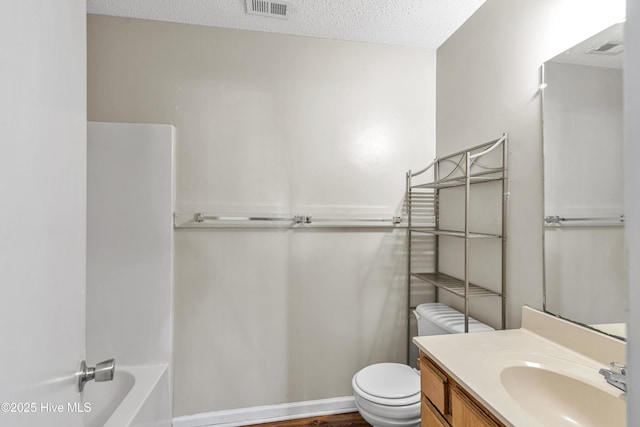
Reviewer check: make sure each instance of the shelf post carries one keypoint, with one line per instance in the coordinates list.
(505, 208)
(467, 189)
(436, 214)
(408, 237)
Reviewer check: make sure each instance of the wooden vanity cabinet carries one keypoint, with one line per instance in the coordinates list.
(446, 404)
(430, 416)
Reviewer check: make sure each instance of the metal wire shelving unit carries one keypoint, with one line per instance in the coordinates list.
(484, 163)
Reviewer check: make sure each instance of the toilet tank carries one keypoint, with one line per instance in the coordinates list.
(439, 319)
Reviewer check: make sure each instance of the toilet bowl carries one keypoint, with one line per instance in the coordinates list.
(388, 394)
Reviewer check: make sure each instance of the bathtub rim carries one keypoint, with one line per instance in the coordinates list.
(146, 379)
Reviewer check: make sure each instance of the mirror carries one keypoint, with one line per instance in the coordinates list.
(584, 256)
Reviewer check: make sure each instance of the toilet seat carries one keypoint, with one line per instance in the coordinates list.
(388, 384)
(388, 395)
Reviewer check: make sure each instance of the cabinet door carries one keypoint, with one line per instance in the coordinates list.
(465, 413)
(434, 385)
(430, 415)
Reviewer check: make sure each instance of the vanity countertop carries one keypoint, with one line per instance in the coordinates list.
(478, 362)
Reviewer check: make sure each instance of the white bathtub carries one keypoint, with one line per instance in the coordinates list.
(137, 396)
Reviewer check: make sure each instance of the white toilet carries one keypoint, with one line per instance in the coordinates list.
(388, 394)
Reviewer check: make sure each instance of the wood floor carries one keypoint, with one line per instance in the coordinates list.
(352, 419)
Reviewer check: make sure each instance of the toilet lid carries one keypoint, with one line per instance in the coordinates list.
(388, 381)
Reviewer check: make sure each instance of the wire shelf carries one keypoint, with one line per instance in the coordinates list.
(455, 286)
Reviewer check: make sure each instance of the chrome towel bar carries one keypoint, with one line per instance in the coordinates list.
(595, 221)
(200, 220)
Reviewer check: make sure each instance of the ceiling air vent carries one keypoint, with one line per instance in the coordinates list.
(608, 48)
(274, 9)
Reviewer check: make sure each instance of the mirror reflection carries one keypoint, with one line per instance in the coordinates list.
(584, 256)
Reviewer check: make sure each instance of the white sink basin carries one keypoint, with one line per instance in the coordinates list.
(555, 399)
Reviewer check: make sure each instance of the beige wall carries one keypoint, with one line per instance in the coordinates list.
(271, 123)
(488, 77)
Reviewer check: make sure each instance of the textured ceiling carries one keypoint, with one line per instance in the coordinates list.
(417, 23)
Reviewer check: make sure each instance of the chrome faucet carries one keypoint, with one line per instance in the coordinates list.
(102, 372)
(616, 376)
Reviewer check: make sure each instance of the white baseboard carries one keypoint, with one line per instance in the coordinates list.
(268, 413)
